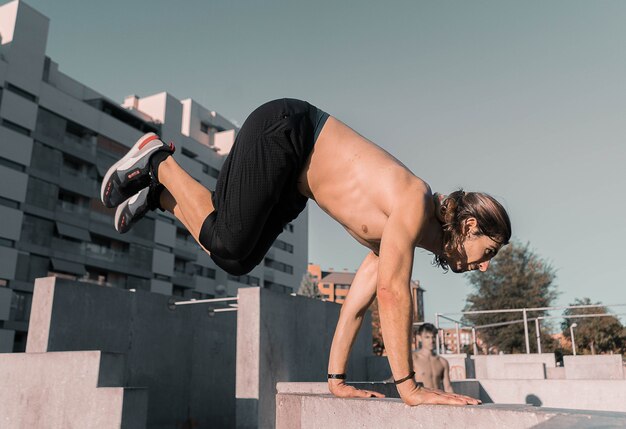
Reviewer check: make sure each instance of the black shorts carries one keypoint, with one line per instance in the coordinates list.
(256, 193)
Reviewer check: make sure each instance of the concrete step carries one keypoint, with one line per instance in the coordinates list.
(80, 389)
(311, 409)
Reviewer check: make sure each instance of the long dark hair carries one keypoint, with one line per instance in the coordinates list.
(491, 218)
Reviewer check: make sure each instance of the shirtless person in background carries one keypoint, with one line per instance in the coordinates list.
(431, 370)
(287, 152)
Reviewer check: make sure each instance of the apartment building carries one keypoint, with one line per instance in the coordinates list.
(334, 286)
(57, 139)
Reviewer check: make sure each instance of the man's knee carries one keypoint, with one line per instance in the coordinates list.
(234, 267)
(225, 246)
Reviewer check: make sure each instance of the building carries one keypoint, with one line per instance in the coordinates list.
(334, 286)
(57, 139)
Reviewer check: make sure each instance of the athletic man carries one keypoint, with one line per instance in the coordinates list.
(431, 370)
(287, 152)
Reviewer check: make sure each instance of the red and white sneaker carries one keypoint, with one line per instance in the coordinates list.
(136, 207)
(133, 172)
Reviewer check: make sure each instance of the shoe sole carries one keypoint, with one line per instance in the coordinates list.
(139, 199)
(135, 153)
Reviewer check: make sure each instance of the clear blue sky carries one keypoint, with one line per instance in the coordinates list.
(524, 100)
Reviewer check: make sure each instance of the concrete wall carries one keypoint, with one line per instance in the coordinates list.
(596, 367)
(516, 366)
(308, 409)
(285, 338)
(68, 390)
(604, 395)
(184, 358)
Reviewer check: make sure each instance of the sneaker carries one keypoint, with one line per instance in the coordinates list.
(133, 172)
(136, 207)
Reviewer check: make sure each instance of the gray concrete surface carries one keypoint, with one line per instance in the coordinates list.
(184, 358)
(502, 367)
(68, 390)
(600, 395)
(593, 367)
(285, 338)
(309, 410)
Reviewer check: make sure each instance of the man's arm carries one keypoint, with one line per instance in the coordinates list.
(394, 272)
(447, 386)
(360, 296)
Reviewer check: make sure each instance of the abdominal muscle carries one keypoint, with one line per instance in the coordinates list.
(354, 181)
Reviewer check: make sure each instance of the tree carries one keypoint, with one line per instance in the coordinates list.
(516, 278)
(308, 287)
(378, 345)
(594, 334)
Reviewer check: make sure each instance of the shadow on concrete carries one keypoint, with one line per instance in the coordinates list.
(533, 400)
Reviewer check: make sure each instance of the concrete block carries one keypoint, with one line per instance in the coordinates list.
(493, 366)
(285, 338)
(599, 395)
(458, 365)
(325, 411)
(593, 367)
(557, 373)
(524, 371)
(185, 358)
(61, 390)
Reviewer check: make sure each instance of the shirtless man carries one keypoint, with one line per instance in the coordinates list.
(287, 152)
(431, 370)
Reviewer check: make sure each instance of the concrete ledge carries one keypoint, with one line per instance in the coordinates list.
(308, 411)
(65, 389)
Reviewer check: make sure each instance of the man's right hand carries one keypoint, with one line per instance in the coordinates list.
(414, 395)
(341, 390)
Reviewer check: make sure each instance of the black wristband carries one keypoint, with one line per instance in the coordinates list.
(402, 380)
(337, 376)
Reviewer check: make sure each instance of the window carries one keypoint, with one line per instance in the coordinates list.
(342, 286)
(188, 153)
(205, 271)
(6, 243)
(288, 227)
(245, 279)
(178, 291)
(207, 128)
(20, 305)
(280, 266)
(10, 203)
(15, 127)
(11, 164)
(19, 91)
(283, 246)
(277, 287)
(325, 296)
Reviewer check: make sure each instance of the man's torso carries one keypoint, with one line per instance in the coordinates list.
(356, 182)
(428, 369)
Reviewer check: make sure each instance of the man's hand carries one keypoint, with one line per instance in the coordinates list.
(341, 390)
(425, 396)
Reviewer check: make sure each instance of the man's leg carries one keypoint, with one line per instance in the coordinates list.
(183, 196)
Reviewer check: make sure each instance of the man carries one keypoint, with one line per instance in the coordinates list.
(287, 152)
(431, 370)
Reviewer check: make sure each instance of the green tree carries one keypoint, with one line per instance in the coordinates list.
(516, 278)
(594, 334)
(308, 287)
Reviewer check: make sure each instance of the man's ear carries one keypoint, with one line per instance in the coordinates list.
(469, 225)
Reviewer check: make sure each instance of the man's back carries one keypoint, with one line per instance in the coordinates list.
(357, 183)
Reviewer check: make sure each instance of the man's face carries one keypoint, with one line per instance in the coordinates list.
(428, 340)
(478, 251)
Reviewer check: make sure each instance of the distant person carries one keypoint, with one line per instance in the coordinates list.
(430, 369)
(288, 152)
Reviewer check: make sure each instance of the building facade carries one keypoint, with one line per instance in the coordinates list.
(57, 139)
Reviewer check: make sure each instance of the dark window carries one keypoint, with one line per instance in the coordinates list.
(20, 306)
(280, 266)
(11, 164)
(178, 291)
(9, 203)
(205, 271)
(288, 227)
(207, 128)
(19, 91)
(245, 279)
(6, 243)
(283, 246)
(188, 153)
(277, 287)
(15, 127)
